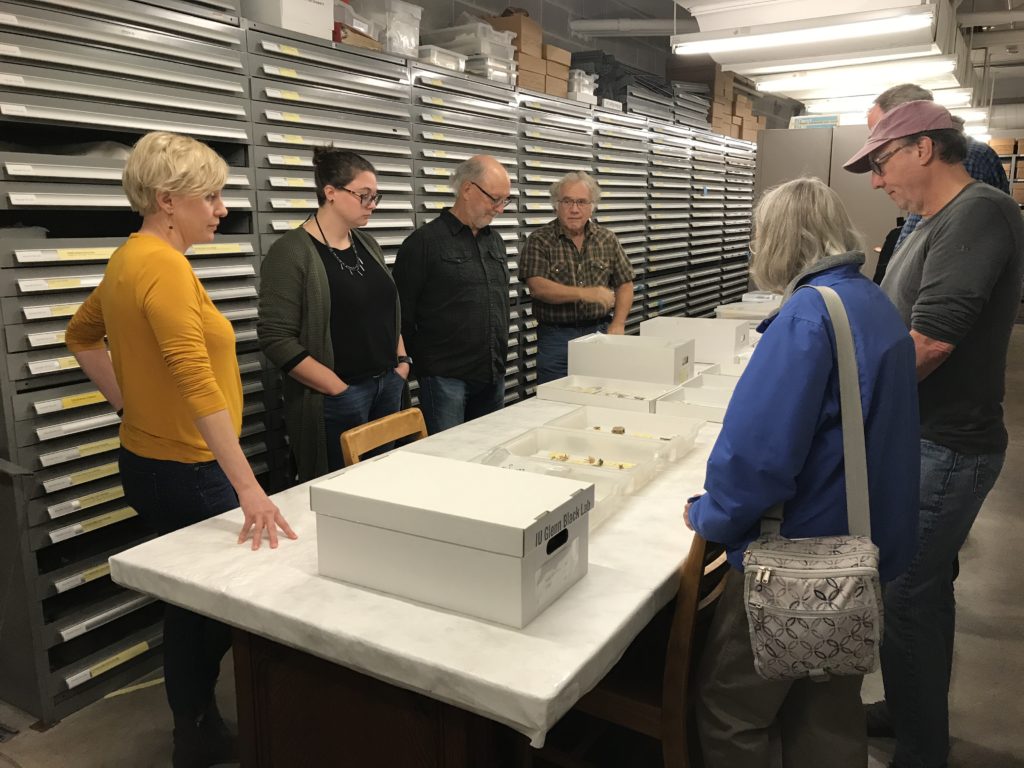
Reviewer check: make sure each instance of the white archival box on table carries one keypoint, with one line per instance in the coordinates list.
(703, 397)
(476, 539)
(716, 341)
(674, 433)
(655, 359)
(621, 394)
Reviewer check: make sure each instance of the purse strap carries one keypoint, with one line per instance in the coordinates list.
(858, 510)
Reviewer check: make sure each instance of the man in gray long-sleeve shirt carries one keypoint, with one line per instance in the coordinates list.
(957, 282)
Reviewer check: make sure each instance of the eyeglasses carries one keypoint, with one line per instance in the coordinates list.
(569, 203)
(877, 164)
(498, 202)
(366, 199)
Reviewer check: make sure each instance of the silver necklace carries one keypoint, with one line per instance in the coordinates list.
(357, 269)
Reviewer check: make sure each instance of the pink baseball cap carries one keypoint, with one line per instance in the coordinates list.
(903, 120)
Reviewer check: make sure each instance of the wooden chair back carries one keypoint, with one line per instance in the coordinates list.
(358, 441)
(648, 689)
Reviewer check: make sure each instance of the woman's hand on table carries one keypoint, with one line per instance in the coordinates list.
(261, 515)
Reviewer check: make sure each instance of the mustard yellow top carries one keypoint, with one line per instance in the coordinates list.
(173, 351)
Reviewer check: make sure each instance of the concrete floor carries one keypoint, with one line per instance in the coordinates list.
(131, 729)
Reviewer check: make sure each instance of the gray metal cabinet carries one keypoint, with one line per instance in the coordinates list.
(80, 81)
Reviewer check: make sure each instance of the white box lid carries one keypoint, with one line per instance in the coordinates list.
(472, 505)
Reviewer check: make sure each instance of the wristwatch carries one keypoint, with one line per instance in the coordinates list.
(405, 359)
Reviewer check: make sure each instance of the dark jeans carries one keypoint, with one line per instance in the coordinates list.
(169, 495)
(553, 348)
(363, 401)
(920, 608)
(447, 402)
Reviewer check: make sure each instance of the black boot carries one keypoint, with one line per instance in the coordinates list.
(189, 749)
(879, 723)
(221, 742)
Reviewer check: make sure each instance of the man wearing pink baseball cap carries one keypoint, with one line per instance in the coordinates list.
(956, 280)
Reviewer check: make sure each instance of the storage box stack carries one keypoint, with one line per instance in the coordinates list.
(691, 104)
(557, 61)
(1003, 145)
(528, 50)
(399, 22)
(583, 87)
(731, 111)
(310, 17)
(488, 51)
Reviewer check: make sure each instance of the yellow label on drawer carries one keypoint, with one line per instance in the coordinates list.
(118, 659)
(93, 473)
(433, 100)
(291, 138)
(83, 254)
(291, 160)
(440, 153)
(433, 118)
(291, 117)
(101, 521)
(86, 398)
(208, 249)
(291, 95)
(100, 446)
(431, 136)
(63, 310)
(287, 72)
(96, 572)
(58, 283)
(107, 494)
(291, 50)
(295, 182)
(67, 362)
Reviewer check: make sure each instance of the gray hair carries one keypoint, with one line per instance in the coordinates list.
(466, 171)
(576, 177)
(795, 225)
(901, 94)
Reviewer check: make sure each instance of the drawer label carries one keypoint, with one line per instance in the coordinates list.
(45, 339)
(102, 521)
(118, 659)
(96, 572)
(69, 402)
(51, 310)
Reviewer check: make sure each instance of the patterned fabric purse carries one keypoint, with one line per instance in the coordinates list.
(814, 605)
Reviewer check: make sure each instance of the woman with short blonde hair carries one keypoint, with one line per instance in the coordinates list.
(171, 373)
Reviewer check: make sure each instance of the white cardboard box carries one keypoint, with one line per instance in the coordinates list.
(716, 340)
(647, 358)
(472, 538)
(311, 17)
(606, 393)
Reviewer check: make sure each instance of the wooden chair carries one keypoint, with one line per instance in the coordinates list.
(358, 441)
(647, 691)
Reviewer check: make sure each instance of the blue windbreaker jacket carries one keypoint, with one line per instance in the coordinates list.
(781, 440)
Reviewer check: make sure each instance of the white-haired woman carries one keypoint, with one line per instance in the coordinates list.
(781, 443)
(577, 272)
(172, 374)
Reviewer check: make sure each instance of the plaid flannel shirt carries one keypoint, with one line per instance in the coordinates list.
(550, 253)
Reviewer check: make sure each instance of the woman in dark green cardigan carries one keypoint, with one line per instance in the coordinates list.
(330, 317)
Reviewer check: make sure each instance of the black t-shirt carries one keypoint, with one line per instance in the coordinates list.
(363, 331)
(957, 279)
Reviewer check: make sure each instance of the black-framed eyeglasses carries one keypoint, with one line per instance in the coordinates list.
(366, 199)
(569, 202)
(498, 202)
(877, 164)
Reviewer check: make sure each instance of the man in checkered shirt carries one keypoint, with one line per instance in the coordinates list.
(577, 272)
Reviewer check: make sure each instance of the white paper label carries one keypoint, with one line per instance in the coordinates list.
(13, 109)
(8, 18)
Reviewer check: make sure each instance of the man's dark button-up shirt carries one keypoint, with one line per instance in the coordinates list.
(455, 306)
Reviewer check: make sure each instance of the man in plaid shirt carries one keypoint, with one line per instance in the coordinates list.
(982, 163)
(577, 272)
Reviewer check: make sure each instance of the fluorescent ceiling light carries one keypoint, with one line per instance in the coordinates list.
(866, 77)
(821, 31)
(949, 98)
(754, 69)
(981, 135)
(970, 116)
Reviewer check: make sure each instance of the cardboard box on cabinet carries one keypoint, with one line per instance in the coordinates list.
(476, 539)
(529, 35)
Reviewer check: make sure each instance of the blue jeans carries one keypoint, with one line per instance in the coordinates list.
(553, 348)
(920, 608)
(448, 402)
(169, 495)
(363, 401)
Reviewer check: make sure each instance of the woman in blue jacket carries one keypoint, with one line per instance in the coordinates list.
(781, 442)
